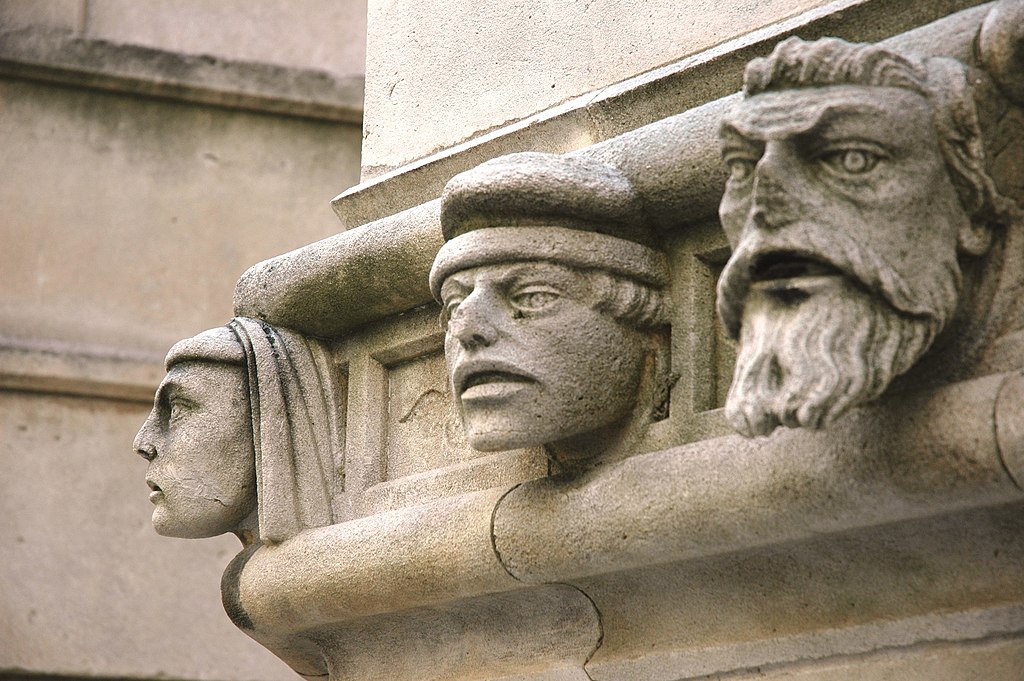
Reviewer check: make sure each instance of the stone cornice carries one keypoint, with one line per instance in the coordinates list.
(60, 369)
(380, 268)
(57, 56)
(690, 82)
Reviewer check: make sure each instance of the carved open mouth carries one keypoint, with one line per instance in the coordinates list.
(784, 266)
(492, 384)
(153, 486)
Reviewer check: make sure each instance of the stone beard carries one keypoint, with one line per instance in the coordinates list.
(847, 231)
(856, 342)
(825, 323)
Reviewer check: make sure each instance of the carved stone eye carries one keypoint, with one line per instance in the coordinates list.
(534, 299)
(450, 307)
(740, 169)
(852, 161)
(448, 311)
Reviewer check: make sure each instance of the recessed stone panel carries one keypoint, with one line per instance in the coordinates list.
(423, 431)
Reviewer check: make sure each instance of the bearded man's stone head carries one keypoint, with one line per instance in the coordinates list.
(856, 186)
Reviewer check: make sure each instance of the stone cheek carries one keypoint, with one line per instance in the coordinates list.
(843, 209)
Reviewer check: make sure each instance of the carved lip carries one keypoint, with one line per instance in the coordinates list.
(489, 379)
(783, 268)
(157, 494)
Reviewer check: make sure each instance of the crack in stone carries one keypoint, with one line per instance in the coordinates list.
(600, 629)
(494, 537)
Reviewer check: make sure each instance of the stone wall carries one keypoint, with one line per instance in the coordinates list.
(150, 155)
(886, 546)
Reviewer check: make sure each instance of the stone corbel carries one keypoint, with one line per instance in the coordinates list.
(949, 450)
(509, 562)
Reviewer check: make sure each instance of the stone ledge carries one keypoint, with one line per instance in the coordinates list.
(648, 97)
(104, 373)
(906, 458)
(380, 268)
(56, 56)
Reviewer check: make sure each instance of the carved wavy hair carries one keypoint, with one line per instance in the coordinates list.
(799, 64)
(631, 302)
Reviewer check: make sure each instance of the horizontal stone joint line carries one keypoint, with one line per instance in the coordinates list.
(54, 56)
(810, 663)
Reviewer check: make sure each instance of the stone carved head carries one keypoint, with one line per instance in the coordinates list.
(856, 188)
(240, 438)
(553, 307)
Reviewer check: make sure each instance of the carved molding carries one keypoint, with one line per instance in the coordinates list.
(56, 56)
(674, 164)
(75, 370)
(645, 98)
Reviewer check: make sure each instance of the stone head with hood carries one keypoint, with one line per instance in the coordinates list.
(243, 435)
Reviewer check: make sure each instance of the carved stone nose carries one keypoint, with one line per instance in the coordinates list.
(475, 333)
(143, 443)
(147, 452)
(473, 323)
(771, 206)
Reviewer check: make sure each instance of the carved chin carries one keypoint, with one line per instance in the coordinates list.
(804, 363)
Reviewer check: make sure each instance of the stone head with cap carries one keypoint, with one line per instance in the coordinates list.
(857, 190)
(553, 305)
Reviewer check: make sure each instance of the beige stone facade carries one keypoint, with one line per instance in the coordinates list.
(888, 546)
(140, 179)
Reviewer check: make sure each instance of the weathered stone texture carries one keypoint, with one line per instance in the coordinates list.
(88, 588)
(885, 545)
(326, 35)
(176, 202)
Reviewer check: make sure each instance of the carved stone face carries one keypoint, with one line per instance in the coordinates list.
(530, 360)
(839, 209)
(198, 441)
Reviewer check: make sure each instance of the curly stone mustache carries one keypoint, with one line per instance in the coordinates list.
(837, 249)
(805, 365)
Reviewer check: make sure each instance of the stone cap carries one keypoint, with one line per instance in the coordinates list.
(538, 206)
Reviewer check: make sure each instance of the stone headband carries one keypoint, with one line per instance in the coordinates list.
(561, 245)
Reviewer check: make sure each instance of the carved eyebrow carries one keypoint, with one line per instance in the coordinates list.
(543, 272)
(731, 134)
(173, 388)
(836, 123)
(167, 389)
(733, 140)
(452, 286)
